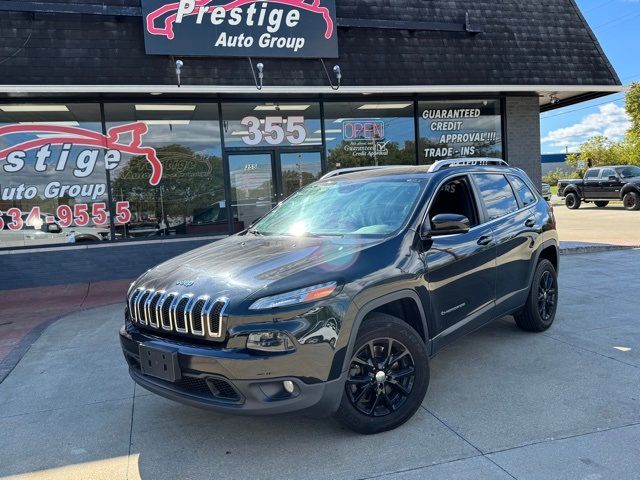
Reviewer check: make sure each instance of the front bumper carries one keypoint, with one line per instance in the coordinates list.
(209, 378)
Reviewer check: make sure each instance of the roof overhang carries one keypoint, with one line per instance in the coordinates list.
(565, 94)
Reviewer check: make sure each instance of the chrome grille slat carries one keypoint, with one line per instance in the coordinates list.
(162, 309)
(180, 322)
(132, 304)
(187, 314)
(214, 315)
(146, 308)
(195, 315)
(140, 301)
(152, 309)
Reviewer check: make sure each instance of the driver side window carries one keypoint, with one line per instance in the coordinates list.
(455, 197)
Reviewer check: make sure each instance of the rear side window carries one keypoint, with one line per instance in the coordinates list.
(523, 192)
(592, 174)
(497, 194)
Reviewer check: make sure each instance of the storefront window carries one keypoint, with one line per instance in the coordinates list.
(271, 124)
(53, 185)
(364, 134)
(174, 183)
(460, 129)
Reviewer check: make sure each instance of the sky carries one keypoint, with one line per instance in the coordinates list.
(616, 24)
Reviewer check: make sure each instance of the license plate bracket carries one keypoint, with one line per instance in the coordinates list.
(160, 362)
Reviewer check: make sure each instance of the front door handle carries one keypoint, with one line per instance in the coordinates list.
(531, 222)
(485, 240)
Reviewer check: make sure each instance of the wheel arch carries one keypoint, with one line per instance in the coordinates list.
(405, 301)
(85, 238)
(548, 250)
(571, 188)
(629, 187)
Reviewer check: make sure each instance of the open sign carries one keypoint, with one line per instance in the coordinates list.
(363, 130)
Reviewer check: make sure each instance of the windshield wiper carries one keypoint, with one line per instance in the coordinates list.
(255, 232)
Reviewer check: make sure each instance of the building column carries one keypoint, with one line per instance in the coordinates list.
(522, 119)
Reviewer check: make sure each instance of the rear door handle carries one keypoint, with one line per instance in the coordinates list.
(485, 240)
(531, 222)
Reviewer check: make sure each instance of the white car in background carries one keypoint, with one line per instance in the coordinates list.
(48, 233)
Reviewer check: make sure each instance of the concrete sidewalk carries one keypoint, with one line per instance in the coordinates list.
(502, 404)
(26, 312)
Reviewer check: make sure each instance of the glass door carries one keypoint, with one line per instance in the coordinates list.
(253, 187)
(298, 169)
(260, 179)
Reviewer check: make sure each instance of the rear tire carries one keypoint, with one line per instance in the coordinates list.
(540, 310)
(572, 201)
(631, 201)
(388, 376)
(600, 204)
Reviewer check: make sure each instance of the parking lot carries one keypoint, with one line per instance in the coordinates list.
(502, 404)
(612, 225)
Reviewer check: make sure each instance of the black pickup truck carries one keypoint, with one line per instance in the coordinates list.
(602, 185)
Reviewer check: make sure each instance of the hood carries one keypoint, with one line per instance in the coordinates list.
(633, 180)
(243, 264)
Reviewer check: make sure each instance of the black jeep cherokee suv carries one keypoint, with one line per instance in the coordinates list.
(334, 301)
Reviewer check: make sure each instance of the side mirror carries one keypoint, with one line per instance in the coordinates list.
(613, 178)
(53, 228)
(445, 224)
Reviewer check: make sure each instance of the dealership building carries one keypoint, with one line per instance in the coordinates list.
(166, 124)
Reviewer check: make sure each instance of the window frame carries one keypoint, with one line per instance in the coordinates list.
(533, 192)
(602, 175)
(485, 213)
(473, 197)
(598, 172)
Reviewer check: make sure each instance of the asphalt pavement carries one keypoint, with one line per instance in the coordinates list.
(502, 404)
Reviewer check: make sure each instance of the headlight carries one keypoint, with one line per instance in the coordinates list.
(303, 295)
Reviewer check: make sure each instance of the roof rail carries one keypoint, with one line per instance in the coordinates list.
(466, 162)
(343, 171)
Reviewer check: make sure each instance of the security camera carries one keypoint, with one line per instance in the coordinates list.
(179, 65)
(260, 67)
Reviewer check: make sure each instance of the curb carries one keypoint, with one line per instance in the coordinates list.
(595, 249)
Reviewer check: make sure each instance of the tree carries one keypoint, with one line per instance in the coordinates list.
(599, 150)
(632, 105)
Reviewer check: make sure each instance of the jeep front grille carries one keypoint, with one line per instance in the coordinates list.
(185, 314)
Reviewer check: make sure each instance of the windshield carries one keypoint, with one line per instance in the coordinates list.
(344, 207)
(628, 172)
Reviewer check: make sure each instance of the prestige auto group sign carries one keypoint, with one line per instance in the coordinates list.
(42, 148)
(265, 28)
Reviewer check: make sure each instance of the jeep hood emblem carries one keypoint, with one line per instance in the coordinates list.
(185, 283)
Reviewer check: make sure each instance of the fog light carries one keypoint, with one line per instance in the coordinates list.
(288, 386)
(275, 342)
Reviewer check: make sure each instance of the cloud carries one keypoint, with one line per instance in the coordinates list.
(610, 121)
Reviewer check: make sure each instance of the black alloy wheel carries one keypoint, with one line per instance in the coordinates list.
(381, 377)
(388, 375)
(539, 312)
(572, 201)
(631, 201)
(547, 295)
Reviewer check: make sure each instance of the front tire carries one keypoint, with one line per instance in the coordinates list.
(631, 201)
(540, 310)
(388, 376)
(572, 201)
(600, 204)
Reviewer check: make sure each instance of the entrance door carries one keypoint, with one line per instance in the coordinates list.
(261, 179)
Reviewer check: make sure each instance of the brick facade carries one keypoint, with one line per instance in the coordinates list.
(522, 122)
